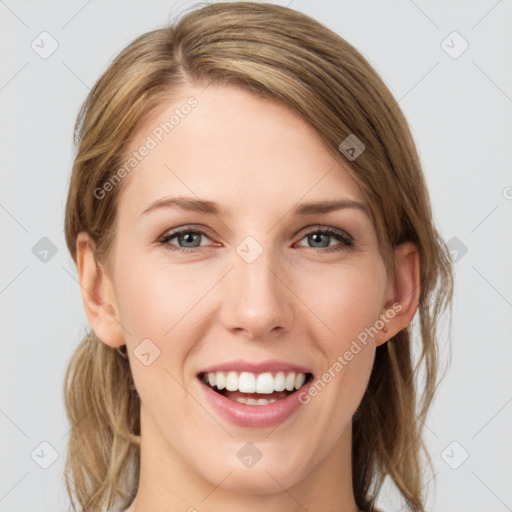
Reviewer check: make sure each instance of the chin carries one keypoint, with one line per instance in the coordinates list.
(269, 475)
(259, 482)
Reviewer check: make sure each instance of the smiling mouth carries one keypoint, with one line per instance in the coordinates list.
(253, 389)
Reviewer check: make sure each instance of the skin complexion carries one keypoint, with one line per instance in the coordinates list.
(181, 278)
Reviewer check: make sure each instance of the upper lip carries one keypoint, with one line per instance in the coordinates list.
(271, 365)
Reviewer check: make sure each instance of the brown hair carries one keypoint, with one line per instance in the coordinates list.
(284, 56)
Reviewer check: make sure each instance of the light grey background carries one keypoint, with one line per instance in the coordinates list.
(460, 113)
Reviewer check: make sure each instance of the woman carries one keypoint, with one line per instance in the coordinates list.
(253, 237)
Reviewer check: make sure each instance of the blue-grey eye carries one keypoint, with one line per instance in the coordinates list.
(322, 239)
(190, 238)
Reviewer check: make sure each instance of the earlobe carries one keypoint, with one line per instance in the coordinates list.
(97, 294)
(403, 294)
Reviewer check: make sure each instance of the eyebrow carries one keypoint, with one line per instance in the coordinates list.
(213, 208)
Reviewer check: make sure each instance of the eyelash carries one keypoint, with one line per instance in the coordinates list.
(347, 241)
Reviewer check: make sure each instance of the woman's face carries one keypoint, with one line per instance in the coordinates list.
(255, 281)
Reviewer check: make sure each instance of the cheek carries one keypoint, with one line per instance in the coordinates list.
(144, 307)
(349, 307)
(153, 303)
(346, 297)
(163, 304)
(154, 297)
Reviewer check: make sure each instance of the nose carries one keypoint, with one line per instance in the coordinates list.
(259, 302)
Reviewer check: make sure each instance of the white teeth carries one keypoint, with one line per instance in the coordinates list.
(299, 380)
(290, 381)
(255, 401)
(264, 401)
(279, 381)
(248, 382)
(265, 383)
(220, 377)
(232, 381)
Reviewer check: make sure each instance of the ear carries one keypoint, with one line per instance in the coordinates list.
(402, 295)
(97, 294)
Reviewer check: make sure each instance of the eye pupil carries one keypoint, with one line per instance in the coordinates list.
(322, 238)
(190, 238)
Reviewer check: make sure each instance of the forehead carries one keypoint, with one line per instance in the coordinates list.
(228, 145)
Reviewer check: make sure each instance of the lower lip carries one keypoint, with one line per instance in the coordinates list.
(255, 416)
